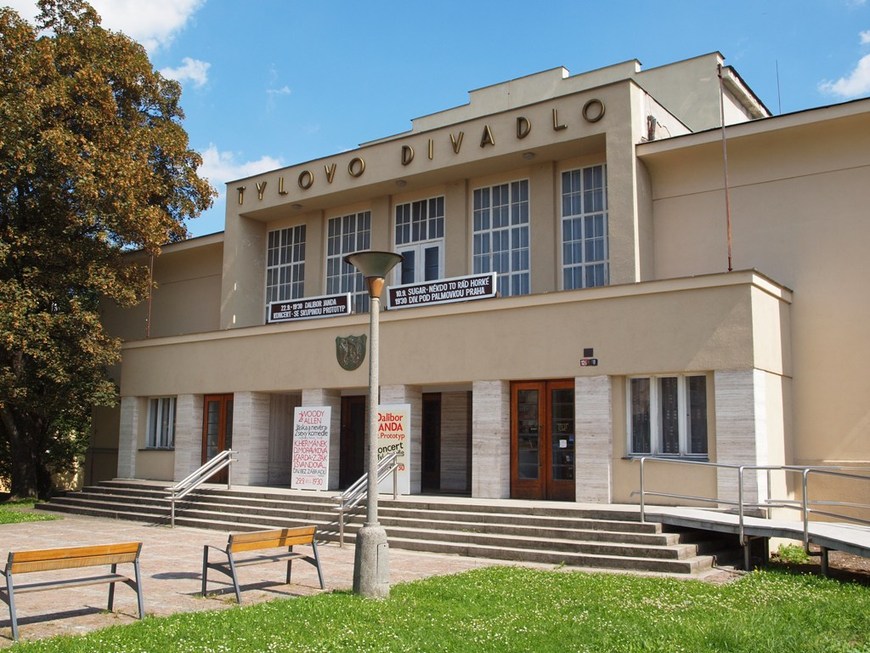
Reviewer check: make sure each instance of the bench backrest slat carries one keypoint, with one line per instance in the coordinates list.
(21, 562)
(270, 539)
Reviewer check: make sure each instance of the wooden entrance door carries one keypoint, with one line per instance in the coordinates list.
(217, 429)
(542, 440)
(353, 443)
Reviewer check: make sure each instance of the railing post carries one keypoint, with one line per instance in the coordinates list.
(642, 506)
(230, 469)
(805, 508)
(341, 527)
(395, 481)
(172, 513)
(740, 501)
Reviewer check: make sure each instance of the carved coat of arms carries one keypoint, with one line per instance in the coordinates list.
(350, 351)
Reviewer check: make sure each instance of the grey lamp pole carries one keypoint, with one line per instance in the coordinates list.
(371, 568)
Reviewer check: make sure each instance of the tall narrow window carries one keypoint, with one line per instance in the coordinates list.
(668, 415)
(420, 239)
(161, 423)
(347, 234)
(501, 235)
(285, 264)
(584, 228)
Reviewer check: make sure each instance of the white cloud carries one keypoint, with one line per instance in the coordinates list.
(221, 167)
(855, 84)
(865, 37)
(192, 70)
(284, 90)
(153, 23)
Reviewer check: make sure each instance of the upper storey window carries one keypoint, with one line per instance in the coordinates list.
(348, 234)
(420, 239)
(285, 264)
(584, 228)
(501, 235)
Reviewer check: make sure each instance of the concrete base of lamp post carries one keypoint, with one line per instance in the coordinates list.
(371, 569)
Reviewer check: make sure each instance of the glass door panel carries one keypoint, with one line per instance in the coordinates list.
(528, 435)
(562, 434)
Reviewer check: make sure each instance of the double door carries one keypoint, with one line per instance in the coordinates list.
(542, 440)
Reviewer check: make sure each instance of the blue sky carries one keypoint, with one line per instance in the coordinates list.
(269, 83)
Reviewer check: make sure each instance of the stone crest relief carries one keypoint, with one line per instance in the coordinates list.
(350, 351)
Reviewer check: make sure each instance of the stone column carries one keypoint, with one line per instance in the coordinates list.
(491, 440)
(741, 437)
(134, 412)
(406, 394)
(251, 438)
(331, 398)
(188, 435)
(593, 444)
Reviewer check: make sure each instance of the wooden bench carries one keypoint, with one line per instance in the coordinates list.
(258, 541)
(24, 562)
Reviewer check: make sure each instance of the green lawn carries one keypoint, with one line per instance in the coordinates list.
(515, 609)
(13, 512)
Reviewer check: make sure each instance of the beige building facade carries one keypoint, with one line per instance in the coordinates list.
(625, 322)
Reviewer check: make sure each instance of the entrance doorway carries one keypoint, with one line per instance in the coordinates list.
(353, 429)
(542, 440)
(217, 429)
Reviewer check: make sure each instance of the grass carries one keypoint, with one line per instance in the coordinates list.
(14, 512)
(516, 609)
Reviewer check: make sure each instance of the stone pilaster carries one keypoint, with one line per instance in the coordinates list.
(593, 444)
(134, 411)
(251, 438)
(741, 437)
(491, 440)
(188, 435)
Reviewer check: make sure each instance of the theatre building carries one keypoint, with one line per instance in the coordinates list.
(594, 270)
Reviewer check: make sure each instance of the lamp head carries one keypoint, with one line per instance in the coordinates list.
(374, 266)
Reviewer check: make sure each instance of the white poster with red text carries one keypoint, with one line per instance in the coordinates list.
(310, 462)
(394, 436)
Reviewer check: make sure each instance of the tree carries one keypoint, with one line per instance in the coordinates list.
(94, 162)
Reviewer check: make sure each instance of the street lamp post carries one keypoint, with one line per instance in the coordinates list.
(371, 569)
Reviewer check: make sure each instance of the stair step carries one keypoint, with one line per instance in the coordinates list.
(605, 538)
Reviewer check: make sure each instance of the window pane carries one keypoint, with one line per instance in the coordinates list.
(584, 226)
(670, 416)
(432, 267)
(501, 235)
(640, 416)
(285, 264)
(697, 391)
(408, 266)
(348, 234)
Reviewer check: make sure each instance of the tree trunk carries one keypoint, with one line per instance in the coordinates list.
(24, 471)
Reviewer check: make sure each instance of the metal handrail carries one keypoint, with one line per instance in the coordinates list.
(199, 476)
(352, 496)
(805, 505)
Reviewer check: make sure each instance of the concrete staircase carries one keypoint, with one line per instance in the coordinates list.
(605, 537)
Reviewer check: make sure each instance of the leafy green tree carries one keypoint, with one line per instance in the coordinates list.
(94, 162)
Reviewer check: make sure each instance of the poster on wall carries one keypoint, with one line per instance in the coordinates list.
(310, 463)
(394, 436)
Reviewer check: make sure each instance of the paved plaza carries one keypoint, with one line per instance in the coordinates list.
(171, 564)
